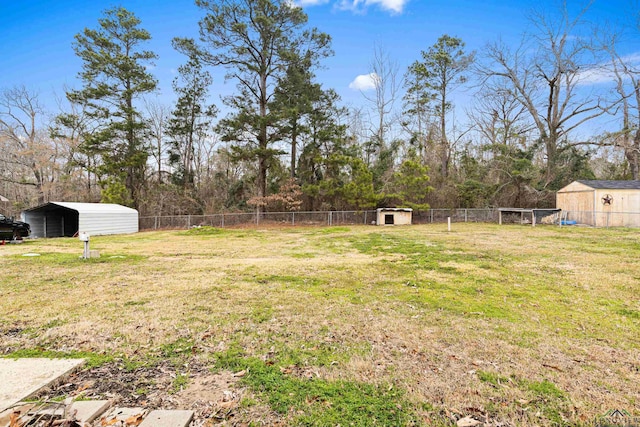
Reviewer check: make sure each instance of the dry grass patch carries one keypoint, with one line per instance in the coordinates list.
(520, 325)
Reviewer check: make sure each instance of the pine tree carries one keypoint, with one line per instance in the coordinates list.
(434, 78)
(191, 120)
(114, 75)
(255, 40)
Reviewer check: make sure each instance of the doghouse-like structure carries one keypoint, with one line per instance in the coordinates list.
(65, 219)
(601, 203)
(394, 216)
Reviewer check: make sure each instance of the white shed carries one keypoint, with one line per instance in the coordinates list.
(394, 216)
(65, 219)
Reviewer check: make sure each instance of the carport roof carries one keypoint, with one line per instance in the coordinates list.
(87, 207)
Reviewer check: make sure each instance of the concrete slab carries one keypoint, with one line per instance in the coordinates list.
(20, 378)
(123, 414)
(168, 419)
(88, 410)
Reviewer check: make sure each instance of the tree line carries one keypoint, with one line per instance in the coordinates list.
(285, 141)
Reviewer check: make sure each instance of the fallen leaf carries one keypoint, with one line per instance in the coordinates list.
(134, 420)
(468, 422)
(557, 368)
(14, 419)
(228, 405)
(240, 373)
(108, 422)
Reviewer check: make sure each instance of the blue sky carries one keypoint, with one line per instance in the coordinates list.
(36, 36)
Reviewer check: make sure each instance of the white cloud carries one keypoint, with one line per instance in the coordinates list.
(595, 76)
(603, 73)
(365, 82)
(303, 3)
(395, 6)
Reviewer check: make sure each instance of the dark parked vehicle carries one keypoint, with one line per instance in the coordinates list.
(12, 230)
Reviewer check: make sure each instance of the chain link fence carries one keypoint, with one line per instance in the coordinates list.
(431, 216)
(252, 219)
(323, 218)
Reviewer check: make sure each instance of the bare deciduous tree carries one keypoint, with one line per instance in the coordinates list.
(157, 117)
(26, 154)
(384, 72)
(626, 76)
(544, 75)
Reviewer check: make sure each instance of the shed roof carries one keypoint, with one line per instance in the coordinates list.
(88, 207)
(394, 210)
(611, 185)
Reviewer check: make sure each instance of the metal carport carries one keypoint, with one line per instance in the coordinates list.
(65, 219)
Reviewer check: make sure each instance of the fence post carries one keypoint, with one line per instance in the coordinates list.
(222, 221)
(465, 215)
(188, 221)
(365, 217)
(155, 222)
(293, 218)
(431, 212)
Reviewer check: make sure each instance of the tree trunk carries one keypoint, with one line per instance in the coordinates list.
(294, 143)
(262, 143)
(444, 167)
(633, 156)
(551, 150)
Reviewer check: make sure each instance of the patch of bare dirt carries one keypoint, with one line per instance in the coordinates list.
(213, 396)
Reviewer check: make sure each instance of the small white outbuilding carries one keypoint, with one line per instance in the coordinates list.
(394, 216)
(65, 219)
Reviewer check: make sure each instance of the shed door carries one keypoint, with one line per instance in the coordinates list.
(389, 219)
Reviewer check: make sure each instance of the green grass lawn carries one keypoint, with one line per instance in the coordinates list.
(352, 325)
